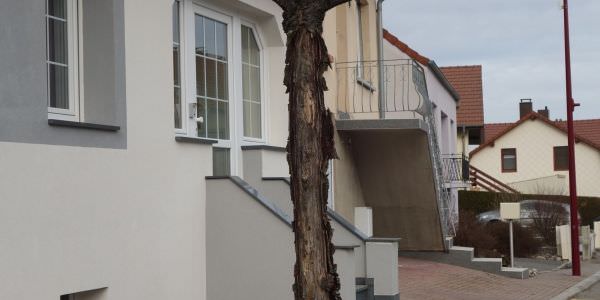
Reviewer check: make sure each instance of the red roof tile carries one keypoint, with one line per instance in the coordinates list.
(586, 131)
(405, 48)
(589, 129)
(467, 81)
(490, 131)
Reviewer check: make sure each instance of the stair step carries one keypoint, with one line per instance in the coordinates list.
(360, 288)
(518, 273)
(490, 260)
(460, 248)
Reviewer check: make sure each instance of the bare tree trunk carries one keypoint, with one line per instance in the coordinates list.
(310, 147)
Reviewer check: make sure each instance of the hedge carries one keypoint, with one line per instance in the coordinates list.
(478, 202)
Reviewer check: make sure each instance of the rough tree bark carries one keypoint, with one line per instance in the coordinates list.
(310, 147)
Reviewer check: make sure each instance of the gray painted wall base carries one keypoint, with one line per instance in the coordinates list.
(463, 257)
(391, 297)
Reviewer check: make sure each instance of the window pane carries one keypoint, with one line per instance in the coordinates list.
(212, 130)
(251, 83)
(256, 120)
(57, 8)
(247, 119)
(246, 82)
(222, 87)
(209, 37)
(57, 41)
(255, 84)
(200, 76)
(245, 50)
(211, 78)
(254, 51)
(221, 162)
(176, 21)
(199, 35)
(177, 100)
(176, 71)
(221, 33)
(509, 159)
(58, 77)
(510, 163)
(201, 112)
(223, 120)
(561, 158)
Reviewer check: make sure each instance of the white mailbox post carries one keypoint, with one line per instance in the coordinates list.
(510, 212)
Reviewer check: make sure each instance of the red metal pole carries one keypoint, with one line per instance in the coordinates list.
(572, 175)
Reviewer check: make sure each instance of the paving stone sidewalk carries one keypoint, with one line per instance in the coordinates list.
(421, 279)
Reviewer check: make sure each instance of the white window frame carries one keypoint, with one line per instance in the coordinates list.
(190, 69)
(75, 64)
(258, 37)
(182, 70)
(187, 69)
(187, 11)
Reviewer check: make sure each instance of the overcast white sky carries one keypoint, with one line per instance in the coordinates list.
(519, 44)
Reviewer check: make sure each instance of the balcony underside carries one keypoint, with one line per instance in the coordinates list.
(381, 124)
(397, 181)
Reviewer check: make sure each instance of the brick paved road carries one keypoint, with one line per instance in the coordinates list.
(429, 280)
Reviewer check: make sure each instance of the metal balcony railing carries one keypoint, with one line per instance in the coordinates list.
(455, 168)
(404, 90)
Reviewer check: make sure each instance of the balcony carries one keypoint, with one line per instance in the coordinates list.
(404, 100)
(455, 168)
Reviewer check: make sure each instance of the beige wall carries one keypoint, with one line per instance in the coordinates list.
(396, 177)
(348, 192)
(341, 36)
(534, 141)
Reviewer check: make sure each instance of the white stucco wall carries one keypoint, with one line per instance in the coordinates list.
(132, 220)
(534, 141)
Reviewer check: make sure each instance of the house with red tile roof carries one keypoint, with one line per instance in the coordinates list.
(467, 80)
(531, 155)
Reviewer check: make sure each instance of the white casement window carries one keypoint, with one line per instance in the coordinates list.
(218, 63)
(212, 79)
(251, 82)
(63, 59)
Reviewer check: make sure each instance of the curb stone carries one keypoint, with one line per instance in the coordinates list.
(578, 287)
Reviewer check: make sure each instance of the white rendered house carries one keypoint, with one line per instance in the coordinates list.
(531, 154)
(141, 154)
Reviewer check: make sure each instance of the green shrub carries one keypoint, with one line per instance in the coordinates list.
(492, 239)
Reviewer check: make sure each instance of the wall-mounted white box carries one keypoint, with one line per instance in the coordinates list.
(510, 211)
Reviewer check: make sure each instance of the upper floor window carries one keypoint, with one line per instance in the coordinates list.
(561, 158)
(251, 95)
(62, 29)
(359, 30)
(509, 160)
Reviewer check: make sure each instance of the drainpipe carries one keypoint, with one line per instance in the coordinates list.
(380, 59)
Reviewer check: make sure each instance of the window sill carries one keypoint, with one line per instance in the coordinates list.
(72, 124)
(264, 147)
(194, 140)
(366, 84)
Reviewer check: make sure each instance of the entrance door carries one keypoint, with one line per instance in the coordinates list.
(213, 104)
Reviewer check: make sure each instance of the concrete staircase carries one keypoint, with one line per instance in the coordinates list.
(464, 257)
